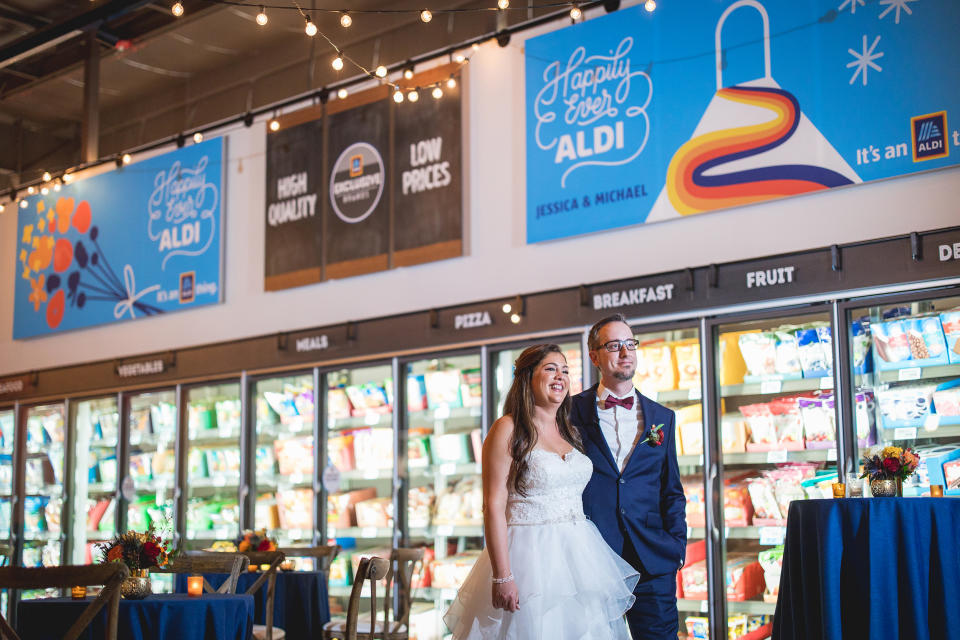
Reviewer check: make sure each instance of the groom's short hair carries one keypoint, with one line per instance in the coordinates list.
(593, 337)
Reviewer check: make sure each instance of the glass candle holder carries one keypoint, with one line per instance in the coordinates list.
(839, 490)
(936, 491)
(195, 586)
(854, 486)
(78, 593)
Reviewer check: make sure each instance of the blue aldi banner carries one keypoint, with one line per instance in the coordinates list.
(639, 116)
(139, 241)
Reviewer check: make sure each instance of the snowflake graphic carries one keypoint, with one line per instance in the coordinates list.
(898, 5)
(864, 59)
(853, 5)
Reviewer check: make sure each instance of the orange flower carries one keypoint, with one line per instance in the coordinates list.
(243, 546)
(41, 256)
(64, 211)
(115, 553)
(38, 293)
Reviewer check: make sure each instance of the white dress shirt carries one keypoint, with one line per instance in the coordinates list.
(621, 427)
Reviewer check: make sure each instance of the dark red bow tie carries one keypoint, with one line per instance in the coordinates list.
(613, 401)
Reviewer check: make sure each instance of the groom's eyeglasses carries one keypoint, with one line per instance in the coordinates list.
(616, 345)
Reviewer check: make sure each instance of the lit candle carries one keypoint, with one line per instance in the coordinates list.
(839, 490)
(78, 593)
(936, 491)
(195, 586)
(264, 567)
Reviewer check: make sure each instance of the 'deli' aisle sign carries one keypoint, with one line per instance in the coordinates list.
(638, 117)
(364, 184)
(139, 241)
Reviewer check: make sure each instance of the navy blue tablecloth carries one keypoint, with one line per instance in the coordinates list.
(300, 604)
(158, 617)
(871, 568)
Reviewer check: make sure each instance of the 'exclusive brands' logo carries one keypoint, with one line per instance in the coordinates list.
(929, 134)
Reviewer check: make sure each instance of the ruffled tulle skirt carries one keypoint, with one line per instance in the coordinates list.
(571, 586)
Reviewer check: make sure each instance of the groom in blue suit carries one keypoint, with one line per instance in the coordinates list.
(634, 496)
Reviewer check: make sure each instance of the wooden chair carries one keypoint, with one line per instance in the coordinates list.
(109, 575)
(373, 569)
(402, 569)
(232, 564)
(323, 556)
(274, 559)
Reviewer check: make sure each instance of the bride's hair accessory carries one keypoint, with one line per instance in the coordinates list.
(509, 578)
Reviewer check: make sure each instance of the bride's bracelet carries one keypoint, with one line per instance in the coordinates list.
(509, 578)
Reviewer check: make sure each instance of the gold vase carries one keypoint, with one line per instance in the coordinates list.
(137, 586)
(886, 487)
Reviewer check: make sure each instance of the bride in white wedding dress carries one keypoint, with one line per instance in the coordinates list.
(546, 573)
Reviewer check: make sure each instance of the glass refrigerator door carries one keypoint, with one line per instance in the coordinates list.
(213, 464)
(779, 444)
(503, 372)
(668, 372)
(906, 372)
(96, 426)
(8, 429)
(284, 459)
(445, 498)
(358, 475)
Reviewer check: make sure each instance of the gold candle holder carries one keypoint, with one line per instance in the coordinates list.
(936, 491)
(78, 593)
(195, 586)
(839, 490)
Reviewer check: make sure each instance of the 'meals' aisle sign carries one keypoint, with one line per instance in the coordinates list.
(135, 242)
(639, 117)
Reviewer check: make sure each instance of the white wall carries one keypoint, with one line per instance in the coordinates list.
(498, 262)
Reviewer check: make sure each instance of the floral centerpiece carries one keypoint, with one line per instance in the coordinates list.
(140, 552)
(255, 541)
(887, 468)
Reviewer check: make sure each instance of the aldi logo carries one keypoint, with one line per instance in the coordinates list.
(929, 133)
(188, 286)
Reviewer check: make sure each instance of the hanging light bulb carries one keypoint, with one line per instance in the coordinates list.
(198, 137)
(310, 29)
(381, 71)
(126, 158)
(342, 93)
(2, 208)
(413, 95)
(426, 16)
(44, 191)
(475, 46)
(31, 190)
(274, 125)
(575, 13)
(397, 96)
(56, 187)
(452, 83)
(459, 58)
(262, 18)
(437, 93)
(515, 318)
(177, 9)
(345, 20)
(503, 4)
(337, 63)
(23, 204)
(46, 176)
(67, 177)
(650, 5)
(408, 73)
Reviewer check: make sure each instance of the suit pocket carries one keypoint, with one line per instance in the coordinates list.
(654, 521)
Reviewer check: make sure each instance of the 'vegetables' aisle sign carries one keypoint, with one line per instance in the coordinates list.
(135, 242)
(638, 117)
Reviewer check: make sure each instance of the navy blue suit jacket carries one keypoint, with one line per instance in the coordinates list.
(644, 504)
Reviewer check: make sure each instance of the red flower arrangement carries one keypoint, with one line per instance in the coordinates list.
(255, 541)
(890, 462)
(138, 551)
(656, 435)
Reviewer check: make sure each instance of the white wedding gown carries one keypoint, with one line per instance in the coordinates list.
(571, 585)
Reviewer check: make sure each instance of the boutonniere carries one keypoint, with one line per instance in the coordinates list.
(655, 437)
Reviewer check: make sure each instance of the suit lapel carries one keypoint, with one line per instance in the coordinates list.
(649, 415)
(589, 411)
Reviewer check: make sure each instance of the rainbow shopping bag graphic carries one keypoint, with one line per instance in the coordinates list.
(752, 144)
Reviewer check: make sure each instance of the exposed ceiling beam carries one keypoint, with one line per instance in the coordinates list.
(53, 34)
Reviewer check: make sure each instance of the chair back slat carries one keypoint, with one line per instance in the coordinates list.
(323, 555)
(109, 575)
(373, 569)
(274, 559)
(232, 564)
(403, 566)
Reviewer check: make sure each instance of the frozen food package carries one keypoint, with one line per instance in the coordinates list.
(373, 448)
(906, 403)
(656, 370)
(420, 506)
(377, 512)
(693, 579)
(689, 422)
(787, 352)
(416, 393)
(826, 344)
(443, 389)
(295, 508)
(764, 501)
(787, 420)
(338, 404)
(471, 387)
(951, 474)
(687, 358)
(733, 435)
(759, 351)
(813, 359)
(294, 455)
(760, 421)
(947, 401)
(340, 452)
(926, 339)
(890, 342)
(819, 419)
(860, 345)
(950, 324)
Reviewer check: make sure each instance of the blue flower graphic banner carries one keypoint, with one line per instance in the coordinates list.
(638, 117)
(139, 241)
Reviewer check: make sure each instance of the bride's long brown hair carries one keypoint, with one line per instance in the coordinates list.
(519, 405)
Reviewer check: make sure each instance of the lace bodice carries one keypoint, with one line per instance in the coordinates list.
(554, 488)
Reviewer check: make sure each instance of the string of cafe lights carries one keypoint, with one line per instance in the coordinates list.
(49, 182)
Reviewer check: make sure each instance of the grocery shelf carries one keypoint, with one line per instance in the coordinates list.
(775, 385)
(216, 483)
(697, 606)
(93, 536)
(51, 491)
(151, 441)
(449, 469)
(40, 536)
(769, 535)
(919, 431)
(102, 488)
(215, 437)
(752, 607)
(447, 531)
(367, 474)
(291, 534)
(917, 373)
(766, 457)
(383, 420)
(369, 533)
(152, 486)
(291, 481)
(676, 395)
(99, 444)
